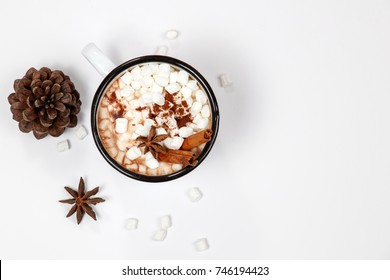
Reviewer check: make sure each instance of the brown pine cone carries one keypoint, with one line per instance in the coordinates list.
(45, 102)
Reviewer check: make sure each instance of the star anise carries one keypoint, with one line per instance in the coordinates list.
(151, 142)
(81, 201)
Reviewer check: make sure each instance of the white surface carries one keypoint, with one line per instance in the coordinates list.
(301, 164)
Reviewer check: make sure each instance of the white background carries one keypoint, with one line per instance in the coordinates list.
(300, 169)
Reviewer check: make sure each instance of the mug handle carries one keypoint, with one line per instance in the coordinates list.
(98, 60)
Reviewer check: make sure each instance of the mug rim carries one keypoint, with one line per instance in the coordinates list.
(150, 59)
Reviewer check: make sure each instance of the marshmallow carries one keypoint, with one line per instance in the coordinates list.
(121, 84)
(194, 194)
(186, 92)
(120, 156)
(156, 88)
(182, 77)
(152, 163)
(161, 81)
(104, 113)
(147, 97)
(201, 244)
(146, 70)
(134, 136)
(185, 131)
(145, 113)
(177, 167)
(173, 77)
(147, 81)
(172, 88)
(160, 131)
(171, 34)
(148, 156)
(133, 167)
(164, 70)
(142, 130)
(162, 50)
(201, 97)
(193, 85)
(195, 108)
(226, 80)
(63, 146)
(126, 91)
(132, 223)
(121, 125)
(166, 222)
(158, 98)
(160, 235)
(82, 132)
(205, 111)
(134, 104)
(197, 118)
(136, 85)
(176, 143)
(133, 153)
(127, 78)
(203, 123)
(142, 169)
(189, 101)
(136, 73)
(149, 122)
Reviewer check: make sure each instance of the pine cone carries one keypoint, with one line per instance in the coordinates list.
(45, 102)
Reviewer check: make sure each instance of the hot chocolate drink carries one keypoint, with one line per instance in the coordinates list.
(154, 119)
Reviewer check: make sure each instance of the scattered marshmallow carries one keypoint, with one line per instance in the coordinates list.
(158, 98)
(166, 222)
(164, 68)
(201, 244)
(201, 97)
(226, 80)
(182, 77)
(121, 125)
(142, 168)
(81, 132)
(152, 163)
(133, 153)
(171, 34)
(132, 224)
(162, 50)
(196, 108)
(172, 88)
(63, 146)
(147, 70)
(194, 194)
(205, 111)
(127, 78)
(185, 131)
(160, 235)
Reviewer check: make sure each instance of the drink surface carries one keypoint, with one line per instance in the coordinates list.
(149, 114)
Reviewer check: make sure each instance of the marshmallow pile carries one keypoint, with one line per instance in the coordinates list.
(151, 94)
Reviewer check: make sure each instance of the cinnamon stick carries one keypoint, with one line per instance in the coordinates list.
(197, 139)
(177, 156)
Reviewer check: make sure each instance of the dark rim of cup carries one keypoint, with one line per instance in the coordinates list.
(150, 59)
